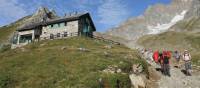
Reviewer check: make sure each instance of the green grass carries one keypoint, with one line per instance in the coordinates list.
(46, 65)
(6, 32)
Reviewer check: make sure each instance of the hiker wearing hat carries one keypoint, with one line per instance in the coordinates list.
(187, 59)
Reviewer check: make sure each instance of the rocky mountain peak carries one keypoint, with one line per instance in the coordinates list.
(44, 14)
(156, 19)
(42, 11)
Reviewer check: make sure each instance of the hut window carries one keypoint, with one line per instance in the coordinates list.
(65, 34)
(51, 36)
(58, 35)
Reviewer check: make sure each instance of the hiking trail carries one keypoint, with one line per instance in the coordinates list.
(178, 79)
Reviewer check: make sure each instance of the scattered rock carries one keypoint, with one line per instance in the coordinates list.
(112, 69)
(106, 54)
(83, 49)
(63, 48)
(41, 45)
(108, 46)
(119, 70)
(137, 68)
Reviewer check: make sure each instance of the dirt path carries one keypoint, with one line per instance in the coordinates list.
(178, 78)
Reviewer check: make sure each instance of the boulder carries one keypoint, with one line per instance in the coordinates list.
(153, 74)
(137, 81)
(108, 46)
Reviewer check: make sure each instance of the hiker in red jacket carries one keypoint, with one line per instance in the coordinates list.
(156, 56)
(165, 62)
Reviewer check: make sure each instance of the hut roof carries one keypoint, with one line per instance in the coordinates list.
(58, 20)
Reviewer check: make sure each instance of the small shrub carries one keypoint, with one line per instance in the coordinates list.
(5, 81)
(116, 80)
(5, 48)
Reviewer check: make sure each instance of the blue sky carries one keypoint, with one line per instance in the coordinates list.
(106, 14)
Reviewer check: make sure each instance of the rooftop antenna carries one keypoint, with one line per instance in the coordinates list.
(76, 12)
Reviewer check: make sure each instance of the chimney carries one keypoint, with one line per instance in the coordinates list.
(70, 14)
(76, 12)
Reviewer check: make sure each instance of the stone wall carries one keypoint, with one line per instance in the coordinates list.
(71, 27)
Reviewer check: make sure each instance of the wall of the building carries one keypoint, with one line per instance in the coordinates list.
(70, 27)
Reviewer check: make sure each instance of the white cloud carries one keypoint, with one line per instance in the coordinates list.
(11, 10)
(112, 12)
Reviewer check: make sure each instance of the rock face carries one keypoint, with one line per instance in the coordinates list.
(194, 10)
(156, 19)
(42, 14)
(191, 20)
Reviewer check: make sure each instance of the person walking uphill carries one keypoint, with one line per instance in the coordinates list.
(177, 57)
(187, 59)
(165, 61)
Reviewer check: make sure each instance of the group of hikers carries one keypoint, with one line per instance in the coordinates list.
(162, 58)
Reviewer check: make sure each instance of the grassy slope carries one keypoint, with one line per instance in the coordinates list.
(7, 31)
(46, 65)
(174, 41)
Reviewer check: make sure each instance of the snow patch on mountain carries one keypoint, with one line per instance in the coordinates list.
(164, 27)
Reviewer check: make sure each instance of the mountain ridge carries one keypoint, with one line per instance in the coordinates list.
(154, 16)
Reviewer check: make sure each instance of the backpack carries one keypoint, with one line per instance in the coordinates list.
(186, 57)
(166, 60)
(166, 57)
(177, 56)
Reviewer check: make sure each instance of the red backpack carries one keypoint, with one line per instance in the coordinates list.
(156, 56)
(166, 57)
